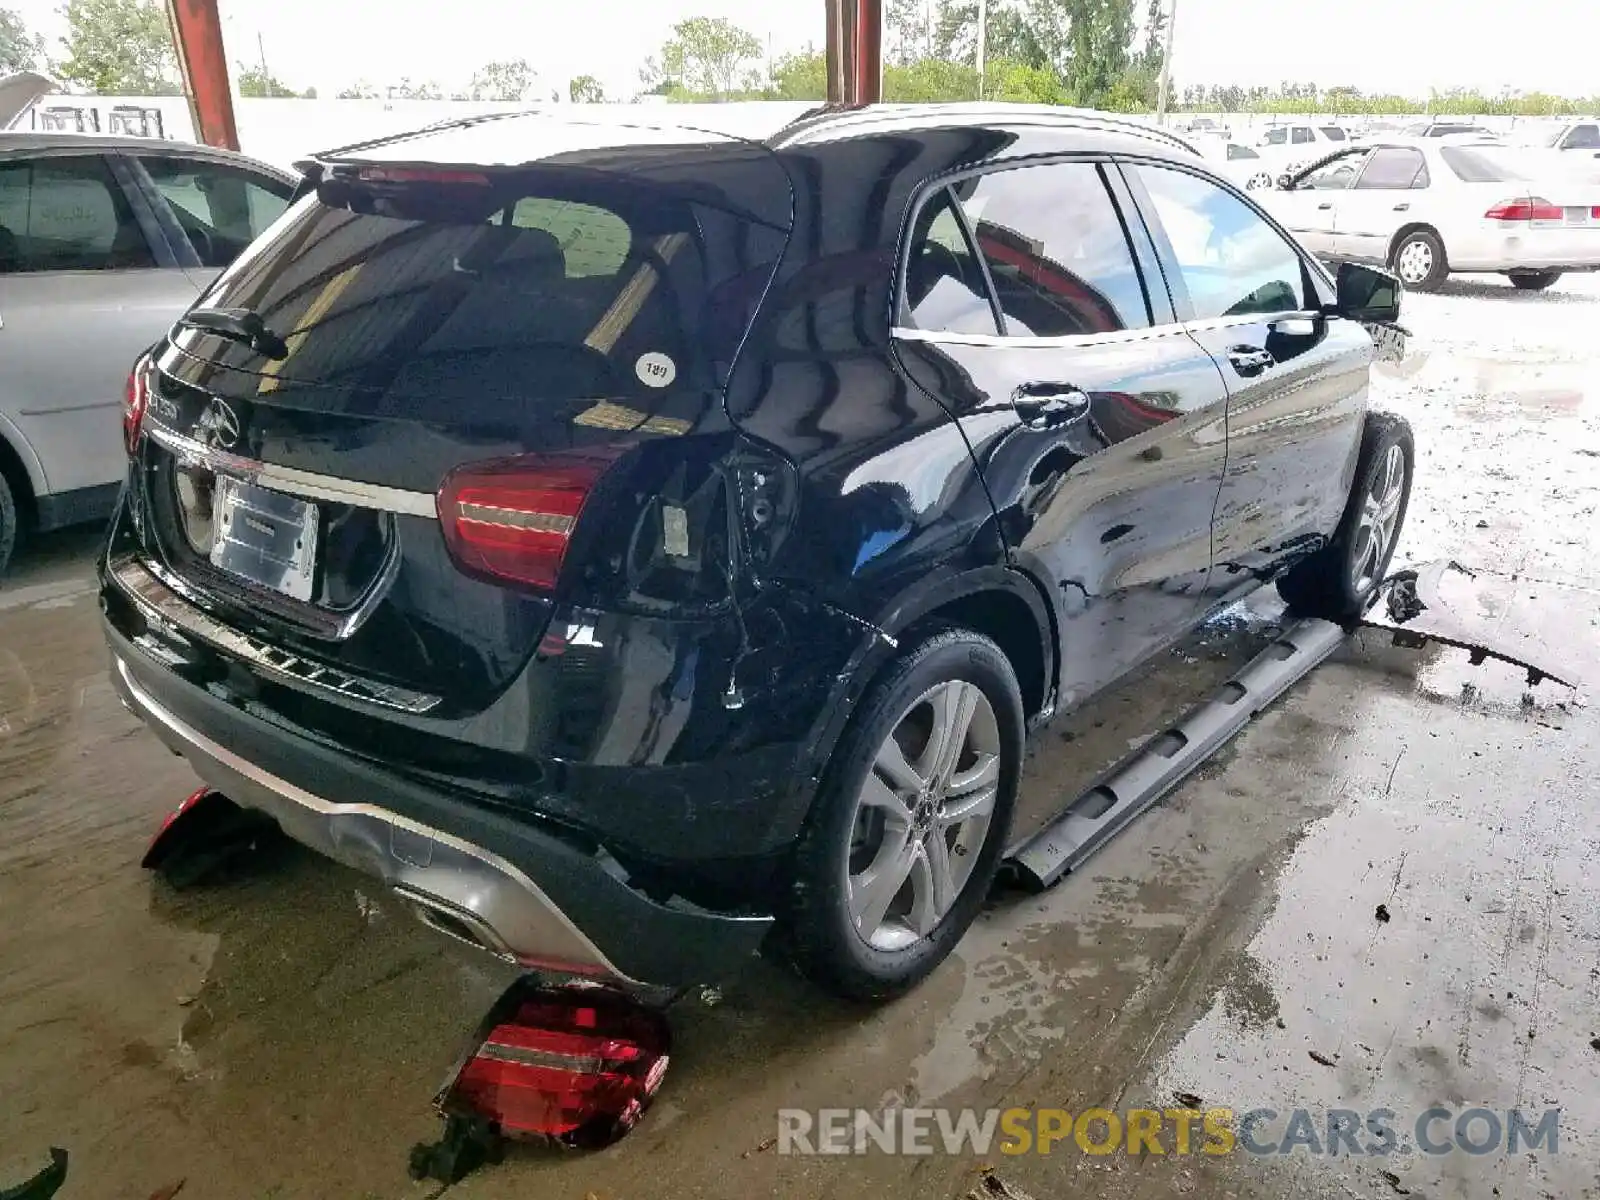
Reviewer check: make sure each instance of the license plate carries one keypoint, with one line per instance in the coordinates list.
(265, 537)
(1578, 215)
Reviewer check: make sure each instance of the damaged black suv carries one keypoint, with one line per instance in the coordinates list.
(632, 542)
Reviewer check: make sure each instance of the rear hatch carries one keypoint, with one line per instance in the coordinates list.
(463, 318)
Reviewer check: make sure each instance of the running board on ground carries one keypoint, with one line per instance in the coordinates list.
(1153, 770)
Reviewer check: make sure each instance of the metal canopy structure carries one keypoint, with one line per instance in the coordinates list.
(854, 61)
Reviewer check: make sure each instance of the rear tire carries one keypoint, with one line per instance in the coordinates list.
(10, 524)
(1338, 582)
(1419, 259)
(876, 903)
(1534, 281)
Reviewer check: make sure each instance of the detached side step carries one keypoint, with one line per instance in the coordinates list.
(1153, 770)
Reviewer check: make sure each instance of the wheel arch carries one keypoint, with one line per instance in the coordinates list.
(22, 471)
(1003, 603)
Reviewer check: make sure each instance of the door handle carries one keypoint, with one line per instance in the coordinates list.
(1047, 405)
(1402, 207)
(1325, 204)
(1248, 360)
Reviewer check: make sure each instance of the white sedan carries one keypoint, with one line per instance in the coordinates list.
(1430, 207)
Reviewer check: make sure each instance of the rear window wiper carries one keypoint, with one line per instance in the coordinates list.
(237, 325)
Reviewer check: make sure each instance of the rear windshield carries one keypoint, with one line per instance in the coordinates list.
(453, 286)
(1333, 133)
(1486, 164)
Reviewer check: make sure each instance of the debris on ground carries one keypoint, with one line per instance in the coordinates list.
(1318, 1056)
(1394, 1183)
(991, 1185)
(48, 1181)
(169, 1191)
(761, 1148)
(1594, 1043)
(1188, 1099)
(1383, 913)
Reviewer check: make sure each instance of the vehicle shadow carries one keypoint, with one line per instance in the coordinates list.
(45, 558)
(1501, 289)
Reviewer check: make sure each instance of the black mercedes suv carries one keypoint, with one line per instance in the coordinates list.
(635, 544)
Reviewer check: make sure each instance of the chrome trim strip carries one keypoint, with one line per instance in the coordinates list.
(1067, 341)
(1028, 342)
(163, 607)
(346, 832)
(310, 484)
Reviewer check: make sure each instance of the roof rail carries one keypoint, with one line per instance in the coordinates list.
(827, 114)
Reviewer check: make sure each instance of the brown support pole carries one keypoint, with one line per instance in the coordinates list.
(840, 55)
(197, 36)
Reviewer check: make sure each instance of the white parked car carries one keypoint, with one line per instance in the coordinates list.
(1578, 136)
(1243, 164)
(1304, 137)
(1430, 207)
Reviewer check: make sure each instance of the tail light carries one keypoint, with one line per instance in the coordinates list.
(512, 519)
(1525, 208)
(579, 1065)
(135, 403)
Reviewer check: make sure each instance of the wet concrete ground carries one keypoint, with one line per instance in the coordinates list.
(280, 1036)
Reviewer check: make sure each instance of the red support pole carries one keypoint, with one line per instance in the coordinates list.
(197, 36)
(869, 51)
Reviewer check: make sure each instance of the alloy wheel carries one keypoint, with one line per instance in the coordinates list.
(923, 814)
(1375, 529)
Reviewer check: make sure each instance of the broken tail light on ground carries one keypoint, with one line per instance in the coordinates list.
(577, 1065)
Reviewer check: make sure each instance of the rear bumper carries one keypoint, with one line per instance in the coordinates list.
(1494, 249)
(518, 890)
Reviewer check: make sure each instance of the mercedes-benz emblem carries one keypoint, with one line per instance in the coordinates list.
(218, 426)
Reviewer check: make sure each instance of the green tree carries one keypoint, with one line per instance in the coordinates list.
(804, 77)
(253, 81)
(510, 79)
(119, 47)
(709, 55)
(908, 30)
(20, 50)
(586, 89)
(406, 90)
(309, 94)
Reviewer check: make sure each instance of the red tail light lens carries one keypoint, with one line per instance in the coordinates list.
(512, 519)
(135, 403)
(578, 1065)
(1526, 208)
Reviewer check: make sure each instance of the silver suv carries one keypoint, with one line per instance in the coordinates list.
(104, 242)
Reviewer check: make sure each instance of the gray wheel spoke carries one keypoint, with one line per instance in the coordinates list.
(891, 763)
(932, 889)
(872, 891)
(875, 793)
(953, 707)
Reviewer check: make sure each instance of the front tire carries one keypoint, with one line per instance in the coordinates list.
(10, 524)
(1419, 260)
(1534, 281)
(1338, 582)
(914, 812)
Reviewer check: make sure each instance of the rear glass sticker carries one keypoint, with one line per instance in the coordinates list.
(655, 369)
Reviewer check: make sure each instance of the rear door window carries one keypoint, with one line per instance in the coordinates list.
(1333, 133)
(67, 214)
(1056, 250)
(1302, 134)
(1232, 262)
(944, 285)
(1392, 167)
(221, 208)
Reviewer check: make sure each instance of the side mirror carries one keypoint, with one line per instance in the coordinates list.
(1367, 294)
(1285, 182)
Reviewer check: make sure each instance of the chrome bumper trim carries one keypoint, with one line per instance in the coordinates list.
(164, 608)
(310, 484)
(507, 912)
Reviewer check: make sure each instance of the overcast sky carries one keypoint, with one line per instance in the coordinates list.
(1404, 45)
